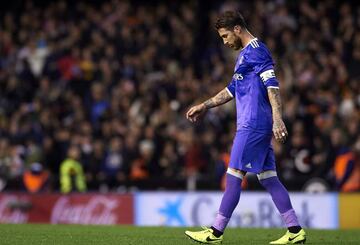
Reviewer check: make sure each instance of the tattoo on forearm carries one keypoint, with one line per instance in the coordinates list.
(275, 101)
(221, 98)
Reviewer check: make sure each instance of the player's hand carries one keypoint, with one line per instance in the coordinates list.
(194, 112)
(279, 130)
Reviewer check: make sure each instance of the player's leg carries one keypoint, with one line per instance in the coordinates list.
(281, 199)
(230, 199)
(231, 196)
(244, 157)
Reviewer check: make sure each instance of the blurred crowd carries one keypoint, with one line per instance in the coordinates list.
(93, 95)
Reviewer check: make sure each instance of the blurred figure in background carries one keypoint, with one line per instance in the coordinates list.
(36, 179)
(347, 169)
(114, 169)
(140, 167)
(72, 176)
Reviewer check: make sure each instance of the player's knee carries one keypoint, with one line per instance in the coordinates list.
(236, 173)
(265, 175)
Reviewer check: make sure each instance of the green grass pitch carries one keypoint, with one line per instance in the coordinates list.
(129, 235)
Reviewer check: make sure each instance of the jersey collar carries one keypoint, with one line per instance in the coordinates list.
(249, 43)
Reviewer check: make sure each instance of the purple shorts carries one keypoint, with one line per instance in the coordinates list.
(252, 152)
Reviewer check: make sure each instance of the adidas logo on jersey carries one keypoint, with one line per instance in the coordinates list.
(254, 43)
(248, 165)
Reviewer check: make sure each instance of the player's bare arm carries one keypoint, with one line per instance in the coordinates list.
(279, 128)
(221, 98)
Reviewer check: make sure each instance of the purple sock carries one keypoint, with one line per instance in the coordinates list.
(281, 199)
(290, 218)
(229, 201)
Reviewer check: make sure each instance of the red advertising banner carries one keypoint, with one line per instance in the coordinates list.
(67, 209)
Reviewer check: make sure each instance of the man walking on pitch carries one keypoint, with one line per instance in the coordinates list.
(258, 106)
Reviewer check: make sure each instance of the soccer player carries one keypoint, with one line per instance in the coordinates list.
(258, 106)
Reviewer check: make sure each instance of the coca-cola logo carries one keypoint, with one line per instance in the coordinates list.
(9, 211)
(95, 210)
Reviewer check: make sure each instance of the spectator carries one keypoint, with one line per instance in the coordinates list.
(140, 168)
(347, 169)
(71, 172)
(114, 168)
(36, 179)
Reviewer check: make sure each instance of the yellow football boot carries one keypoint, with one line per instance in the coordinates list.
(291, 238)
(205, 236)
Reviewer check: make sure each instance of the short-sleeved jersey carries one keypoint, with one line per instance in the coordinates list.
(253, 74)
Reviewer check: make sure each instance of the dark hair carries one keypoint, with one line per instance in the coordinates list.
(229, 20)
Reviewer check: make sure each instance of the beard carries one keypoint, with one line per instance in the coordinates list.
(237, 44)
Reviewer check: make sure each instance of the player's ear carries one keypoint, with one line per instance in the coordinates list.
(237, 29)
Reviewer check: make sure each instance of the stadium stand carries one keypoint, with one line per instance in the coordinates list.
(115, 78)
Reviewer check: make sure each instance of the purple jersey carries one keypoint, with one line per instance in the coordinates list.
(254, 73)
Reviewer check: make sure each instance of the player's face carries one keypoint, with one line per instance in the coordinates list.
(230, 38)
